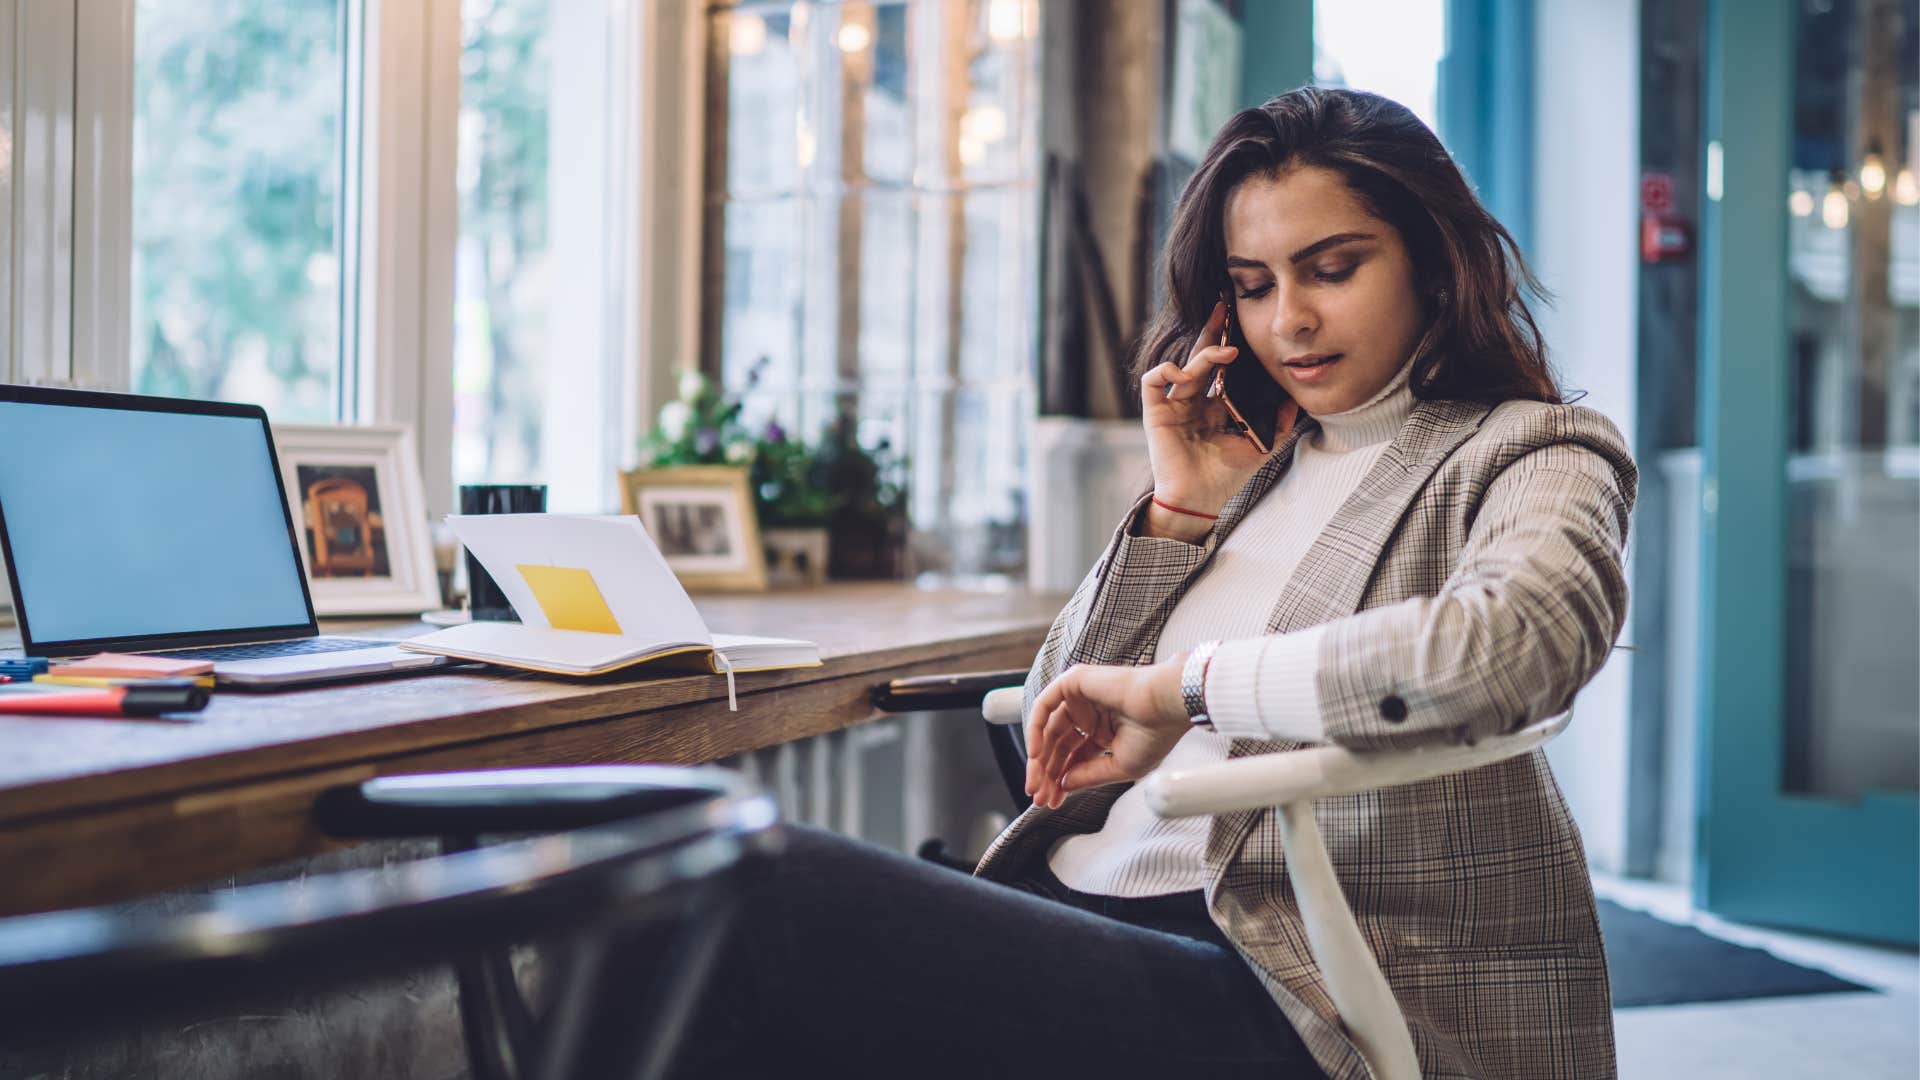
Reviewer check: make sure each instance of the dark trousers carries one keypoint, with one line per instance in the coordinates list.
(850, 960)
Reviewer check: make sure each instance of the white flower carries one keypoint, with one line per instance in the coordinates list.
(691, 383)
(674, 417)
(739, 453)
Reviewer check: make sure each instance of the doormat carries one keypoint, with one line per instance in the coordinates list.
(1654, 962)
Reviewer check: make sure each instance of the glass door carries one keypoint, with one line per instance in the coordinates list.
(1810, 433)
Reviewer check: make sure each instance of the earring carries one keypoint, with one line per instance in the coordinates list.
(1441, 297)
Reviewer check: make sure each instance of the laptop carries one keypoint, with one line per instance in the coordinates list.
(160, 525)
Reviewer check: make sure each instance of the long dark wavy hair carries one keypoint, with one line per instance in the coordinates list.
(1481, 343)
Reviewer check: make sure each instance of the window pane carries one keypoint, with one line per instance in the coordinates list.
(542, 262)
(236, 203)
(763, 131)
(887, 135)
(1349, 50)
(886, 284)
(1853, 464)
(760, 293)
(500, 277)
(876, 184)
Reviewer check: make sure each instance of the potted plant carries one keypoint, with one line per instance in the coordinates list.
(869, 519)
(700, 427)
(794, 508)
(835, 508)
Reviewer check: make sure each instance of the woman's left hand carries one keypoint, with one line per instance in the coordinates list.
(1098, 723)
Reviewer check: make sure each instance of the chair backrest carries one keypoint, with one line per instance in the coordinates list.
(78, 968)
(1319, 772)
(1289, 783)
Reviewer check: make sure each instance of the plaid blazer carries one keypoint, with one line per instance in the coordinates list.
(1473, 582)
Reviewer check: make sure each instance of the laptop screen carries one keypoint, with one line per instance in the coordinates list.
(125, 523)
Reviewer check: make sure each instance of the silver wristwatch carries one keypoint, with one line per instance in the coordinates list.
(1193, 683)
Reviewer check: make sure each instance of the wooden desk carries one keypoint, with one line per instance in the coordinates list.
(101, 810)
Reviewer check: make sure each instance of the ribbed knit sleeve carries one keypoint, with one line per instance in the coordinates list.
(1263, 688)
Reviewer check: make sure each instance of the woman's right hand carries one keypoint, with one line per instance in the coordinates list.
(1199, 462)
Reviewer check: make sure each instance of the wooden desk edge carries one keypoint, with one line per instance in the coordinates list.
(86, 848)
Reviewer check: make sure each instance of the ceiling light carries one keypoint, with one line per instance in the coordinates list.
(853, 37)
(1833, 209)
(747, 35)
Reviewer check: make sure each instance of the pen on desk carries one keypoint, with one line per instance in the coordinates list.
(151, 699)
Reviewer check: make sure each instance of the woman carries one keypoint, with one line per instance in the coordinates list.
(1430, 553)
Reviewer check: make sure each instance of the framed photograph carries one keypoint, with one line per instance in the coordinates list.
(702, 519)
(360, 511)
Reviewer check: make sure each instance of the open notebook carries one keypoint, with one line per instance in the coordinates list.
(580, 652)
(594, 595)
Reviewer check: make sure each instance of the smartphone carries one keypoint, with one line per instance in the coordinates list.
(1252, 392)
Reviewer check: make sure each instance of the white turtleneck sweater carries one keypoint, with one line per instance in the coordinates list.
(1259, 686)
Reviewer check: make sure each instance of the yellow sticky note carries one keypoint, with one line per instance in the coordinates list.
(570, 598)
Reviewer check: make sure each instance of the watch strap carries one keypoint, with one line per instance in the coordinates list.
(1193, 683)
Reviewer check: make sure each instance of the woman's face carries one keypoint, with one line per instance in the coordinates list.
(1323, 290)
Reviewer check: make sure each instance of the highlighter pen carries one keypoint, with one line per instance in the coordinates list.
(149, 700)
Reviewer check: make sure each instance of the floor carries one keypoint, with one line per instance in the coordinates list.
(1863, 1036)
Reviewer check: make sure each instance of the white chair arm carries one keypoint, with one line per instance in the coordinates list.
(1322, 771)
(1002, 706)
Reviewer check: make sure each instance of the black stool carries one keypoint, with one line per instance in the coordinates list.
(654, 850)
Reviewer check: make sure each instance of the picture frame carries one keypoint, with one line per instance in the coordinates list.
(359, 512)
(702, 519)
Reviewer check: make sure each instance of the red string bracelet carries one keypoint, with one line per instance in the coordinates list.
(1183, 510)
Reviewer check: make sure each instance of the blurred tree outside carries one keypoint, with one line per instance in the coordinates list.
(501, 276)
(237, 136)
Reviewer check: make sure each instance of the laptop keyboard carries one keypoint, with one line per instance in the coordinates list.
(269, 649)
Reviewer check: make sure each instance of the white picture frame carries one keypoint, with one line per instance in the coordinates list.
(362, 485)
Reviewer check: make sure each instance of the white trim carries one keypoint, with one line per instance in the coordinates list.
(9, 17)
(351, 235)
(9, 158)
(103, 193)
(409, 218)
(668, 171)
(440, 226)
(391, 120)
(590, 215)
(40, 335)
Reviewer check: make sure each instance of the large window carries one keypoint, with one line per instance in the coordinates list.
(238, 131)
(502, 273)
(872, 185)
(540, 285)
(352, 211)
(1350, 49)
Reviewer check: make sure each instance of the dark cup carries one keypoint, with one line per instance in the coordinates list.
(484, 598)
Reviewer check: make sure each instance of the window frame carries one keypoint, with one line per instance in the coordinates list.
(66, 235)
(38, 47)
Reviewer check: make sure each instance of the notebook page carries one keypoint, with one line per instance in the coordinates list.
(646, 600)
